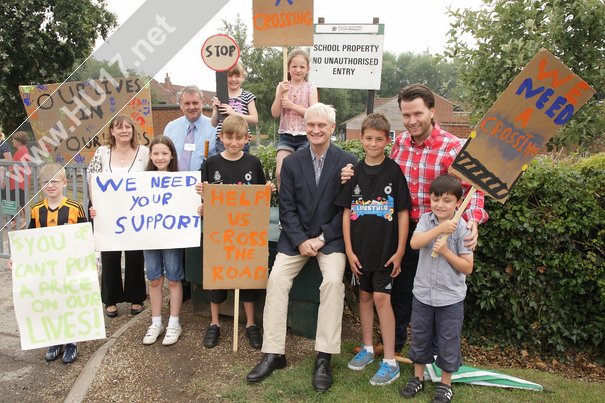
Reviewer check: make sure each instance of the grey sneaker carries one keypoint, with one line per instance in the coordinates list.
(385, 375)
(361, 360)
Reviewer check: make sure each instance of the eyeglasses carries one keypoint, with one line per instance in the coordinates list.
(55, 183)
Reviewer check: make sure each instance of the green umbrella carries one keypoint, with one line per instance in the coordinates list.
(476, 376)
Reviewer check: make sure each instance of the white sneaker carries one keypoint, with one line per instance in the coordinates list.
(172, 335)
(152, 334)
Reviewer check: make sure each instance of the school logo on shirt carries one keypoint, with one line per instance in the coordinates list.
(217, 177)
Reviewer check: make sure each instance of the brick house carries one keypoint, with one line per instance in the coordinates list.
(455, 122)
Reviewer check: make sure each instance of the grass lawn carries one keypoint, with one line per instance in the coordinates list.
(293, 384)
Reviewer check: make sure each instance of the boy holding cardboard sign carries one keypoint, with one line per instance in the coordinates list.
(56, 209)
(439, 288)
(232, 167)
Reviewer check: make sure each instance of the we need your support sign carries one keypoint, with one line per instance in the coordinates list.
(55, 286)
(146, 210)
(347, 56)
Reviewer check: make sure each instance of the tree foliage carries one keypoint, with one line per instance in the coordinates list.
(508, 33)
(40, 41)
(407, 68)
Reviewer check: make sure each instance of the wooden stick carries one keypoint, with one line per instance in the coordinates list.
(285, 61)
(235, 319)
(404, 360)
(460, 211)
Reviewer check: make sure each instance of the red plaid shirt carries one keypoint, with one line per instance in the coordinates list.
(422, 163)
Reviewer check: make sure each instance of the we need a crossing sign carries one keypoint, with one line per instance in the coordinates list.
(347, 56)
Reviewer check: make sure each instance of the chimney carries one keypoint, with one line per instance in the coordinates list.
(167, 82)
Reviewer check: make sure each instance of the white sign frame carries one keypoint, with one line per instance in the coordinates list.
(347, 56)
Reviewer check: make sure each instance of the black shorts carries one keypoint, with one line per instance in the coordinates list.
(219, 296)
(376, 281)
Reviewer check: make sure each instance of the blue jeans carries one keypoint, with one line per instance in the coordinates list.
(291, 143)
(164, 262)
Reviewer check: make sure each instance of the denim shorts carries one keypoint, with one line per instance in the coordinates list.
(291, 143)
(164, 262)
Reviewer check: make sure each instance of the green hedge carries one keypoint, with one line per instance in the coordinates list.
(539, 278)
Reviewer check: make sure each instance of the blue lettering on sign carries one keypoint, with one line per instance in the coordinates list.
(131, 185)
(104, 185)
(142, 222)
(173, 181)
(526, 89)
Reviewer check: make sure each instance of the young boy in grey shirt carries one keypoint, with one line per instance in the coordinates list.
(439, 288)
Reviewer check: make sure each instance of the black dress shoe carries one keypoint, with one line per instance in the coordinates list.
(322, 376)
(266, 366)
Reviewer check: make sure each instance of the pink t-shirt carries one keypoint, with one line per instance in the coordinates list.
(292, 122)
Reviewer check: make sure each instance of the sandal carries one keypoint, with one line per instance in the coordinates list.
(134, 310)
(111, 313)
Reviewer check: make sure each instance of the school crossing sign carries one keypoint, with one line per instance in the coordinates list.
(347, 56)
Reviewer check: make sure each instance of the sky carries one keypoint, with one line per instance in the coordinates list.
(411, 26)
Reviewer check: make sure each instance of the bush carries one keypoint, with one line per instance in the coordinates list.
(266, 154)
(539, 278)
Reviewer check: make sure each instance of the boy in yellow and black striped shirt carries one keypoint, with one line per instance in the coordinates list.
(56, 209)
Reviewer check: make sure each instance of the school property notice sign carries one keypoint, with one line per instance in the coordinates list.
(542, 98)
(56, 290)
(347, 56)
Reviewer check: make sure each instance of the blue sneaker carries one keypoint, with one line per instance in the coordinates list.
(53, 353)
(70, 354)
(385, 375)
(361, 360)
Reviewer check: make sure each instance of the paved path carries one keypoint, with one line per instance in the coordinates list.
(16, 366)
(25, 376)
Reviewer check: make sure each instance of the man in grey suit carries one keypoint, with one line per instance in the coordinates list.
(311, 227)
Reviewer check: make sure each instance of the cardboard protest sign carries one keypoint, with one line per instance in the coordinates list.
(541, 99)
(347, 56)
(65, 122)
(282, 22)
(146, 210)
(55, 286)
(236, 236)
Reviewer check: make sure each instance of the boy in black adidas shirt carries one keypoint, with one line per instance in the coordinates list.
(375, 225)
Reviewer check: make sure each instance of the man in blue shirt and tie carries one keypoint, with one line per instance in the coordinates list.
(191, 132)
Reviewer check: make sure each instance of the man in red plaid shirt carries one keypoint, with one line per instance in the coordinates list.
(423, 152)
